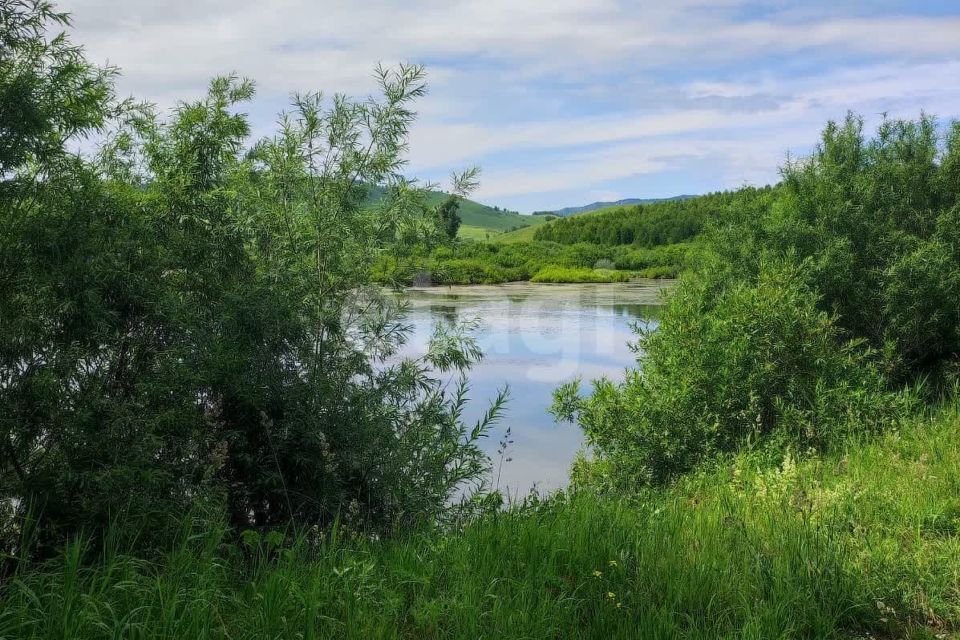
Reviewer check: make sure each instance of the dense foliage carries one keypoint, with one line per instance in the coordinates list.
(878, 224)
(651, 240)
(188, 317)
(495, 262)
(809, 306)
(582, 275)
(728, 367)
(643, 225)
(862, 544)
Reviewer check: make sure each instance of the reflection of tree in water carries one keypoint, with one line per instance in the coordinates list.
(448, 312)
(638, 311)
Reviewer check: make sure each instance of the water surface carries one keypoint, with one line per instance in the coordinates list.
(535, 337)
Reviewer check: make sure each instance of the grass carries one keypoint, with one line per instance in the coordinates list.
(574, 274)
(863, 543)
(468, 232)
(660, 272)
(475, 214)
(525, 234)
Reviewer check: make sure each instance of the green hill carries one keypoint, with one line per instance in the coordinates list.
(524, 234)
(646, 225)
(571, 211)
(475, 214)
(480, 221)
(649, 223)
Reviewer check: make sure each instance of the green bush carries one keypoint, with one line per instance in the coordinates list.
(732, 365)
(473, 271)
(570, 274)
(657, 273)
(877, 221)
(811, 302)
(675, 256)
(489, 263)
(188, 317)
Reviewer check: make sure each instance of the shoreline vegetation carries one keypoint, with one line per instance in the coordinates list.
(206, 430)
(861, 543)
(538, 261)
(655, 240)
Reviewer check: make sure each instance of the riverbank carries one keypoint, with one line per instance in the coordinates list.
(543, 261)
(861, 544)
(644, 291)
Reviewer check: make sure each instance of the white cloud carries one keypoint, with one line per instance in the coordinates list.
(749, 145)
(607, 86)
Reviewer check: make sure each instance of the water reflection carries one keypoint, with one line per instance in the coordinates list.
(535, 337)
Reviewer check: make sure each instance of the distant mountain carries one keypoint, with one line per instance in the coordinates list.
(569, 211)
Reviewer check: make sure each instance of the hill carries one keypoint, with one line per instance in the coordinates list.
(643, 225)
(478, 220)
(569, 211)
(525, 234)
(491, 218)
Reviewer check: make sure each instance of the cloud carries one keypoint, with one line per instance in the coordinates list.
(591, 82)
(748, 145)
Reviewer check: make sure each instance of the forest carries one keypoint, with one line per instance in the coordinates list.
(209, 430)
(642, 225)
(608, 245)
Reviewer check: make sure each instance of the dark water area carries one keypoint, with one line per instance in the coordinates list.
(535, 337)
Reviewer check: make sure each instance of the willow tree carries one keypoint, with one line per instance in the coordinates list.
(187, 314)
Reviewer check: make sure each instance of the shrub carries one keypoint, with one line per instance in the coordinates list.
(656, 273)
(188, 317)
(811, 302)
(675, 256)
(732, 365)
(576, 275)
(473, 271)
(877, 220)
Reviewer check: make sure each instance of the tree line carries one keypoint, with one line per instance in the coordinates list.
(644, 225)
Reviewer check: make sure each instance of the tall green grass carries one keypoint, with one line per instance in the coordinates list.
(861, 544)
(554, 273)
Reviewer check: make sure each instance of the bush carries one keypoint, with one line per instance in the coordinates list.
(732, 365)
(811, 302)
(877, 220)
(572, 275)
(675, 256)
(657, 273)
(472, 271)
(188, 317)
(488, 263)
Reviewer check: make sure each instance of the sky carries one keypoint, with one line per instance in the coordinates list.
(561, 102)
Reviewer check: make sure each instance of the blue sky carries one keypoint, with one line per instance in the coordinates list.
(562, 102)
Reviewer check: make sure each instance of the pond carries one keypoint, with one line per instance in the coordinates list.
(535, 337)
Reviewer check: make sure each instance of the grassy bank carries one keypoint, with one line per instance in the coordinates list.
(860, 544)
(496, 262)
(575, 275)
